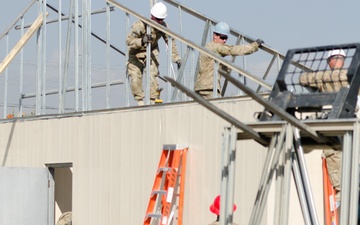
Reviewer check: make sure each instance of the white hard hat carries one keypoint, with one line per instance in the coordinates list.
(222, 28)
(159, 10)
(336, 52)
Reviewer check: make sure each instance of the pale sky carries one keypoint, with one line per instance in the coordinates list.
(285, 24)
(282, 24)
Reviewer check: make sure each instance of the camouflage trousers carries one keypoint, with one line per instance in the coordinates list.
(333, 162)
(207, 94)
(135, 69)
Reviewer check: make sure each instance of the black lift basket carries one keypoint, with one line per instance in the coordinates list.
(310, 65)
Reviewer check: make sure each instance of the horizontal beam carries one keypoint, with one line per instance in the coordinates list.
(199, 99)
(276, 110)
(70, 89)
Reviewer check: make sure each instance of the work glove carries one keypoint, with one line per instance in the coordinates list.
(259, 41)
(146, 39)
(178, 63)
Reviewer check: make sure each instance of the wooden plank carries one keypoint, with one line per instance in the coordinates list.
(24, 39)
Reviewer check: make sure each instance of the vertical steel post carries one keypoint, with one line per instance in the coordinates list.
(170, 97)
(228, 175)
(76, 37)
(6, 79)
(84, 67)
(61, 106)
(127, 80)
(180, 76)
(181, 31)
(300, 189)
(148, 71)
(168, 66)
(21, 78)
(354, 190)
(345, 178)
(38, 65)
(285, 187)
(107, 57)
(192, 71)
(231, 183)
(88, 36)
(224, 174)
(278, 179)
(67, 53)
(43, 74)
(305, 177)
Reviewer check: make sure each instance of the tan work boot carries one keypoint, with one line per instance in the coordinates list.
(140, 102)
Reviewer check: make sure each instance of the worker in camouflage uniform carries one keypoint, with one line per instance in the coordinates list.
(330, 81)
(137, 41)
(215, 208)
(205, 79)
(65, 219)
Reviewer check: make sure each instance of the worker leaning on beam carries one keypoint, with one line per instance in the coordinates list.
(205, 79)
(330, 81)
(137, 41)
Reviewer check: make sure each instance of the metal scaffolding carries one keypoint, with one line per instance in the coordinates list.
(76, 82)
(286, 133)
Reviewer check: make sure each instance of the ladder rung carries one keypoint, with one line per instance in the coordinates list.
(158, 192)
(164, 169)
(153, 215)
(174, 147)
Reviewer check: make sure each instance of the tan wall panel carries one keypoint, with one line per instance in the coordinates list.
(115, 155)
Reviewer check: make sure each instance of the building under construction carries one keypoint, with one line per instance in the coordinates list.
(74, 140)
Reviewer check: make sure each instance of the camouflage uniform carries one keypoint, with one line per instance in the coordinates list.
(137, 58)
(65, 219)
(329, 81)
(205, 79)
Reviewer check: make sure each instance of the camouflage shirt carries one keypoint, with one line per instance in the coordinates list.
(205, 77)
(325, 81)
(138, 31)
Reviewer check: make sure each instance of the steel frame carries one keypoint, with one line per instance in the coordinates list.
(83, 84)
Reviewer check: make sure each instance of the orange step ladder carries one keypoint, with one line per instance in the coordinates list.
(167, 195)
(331, 215)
